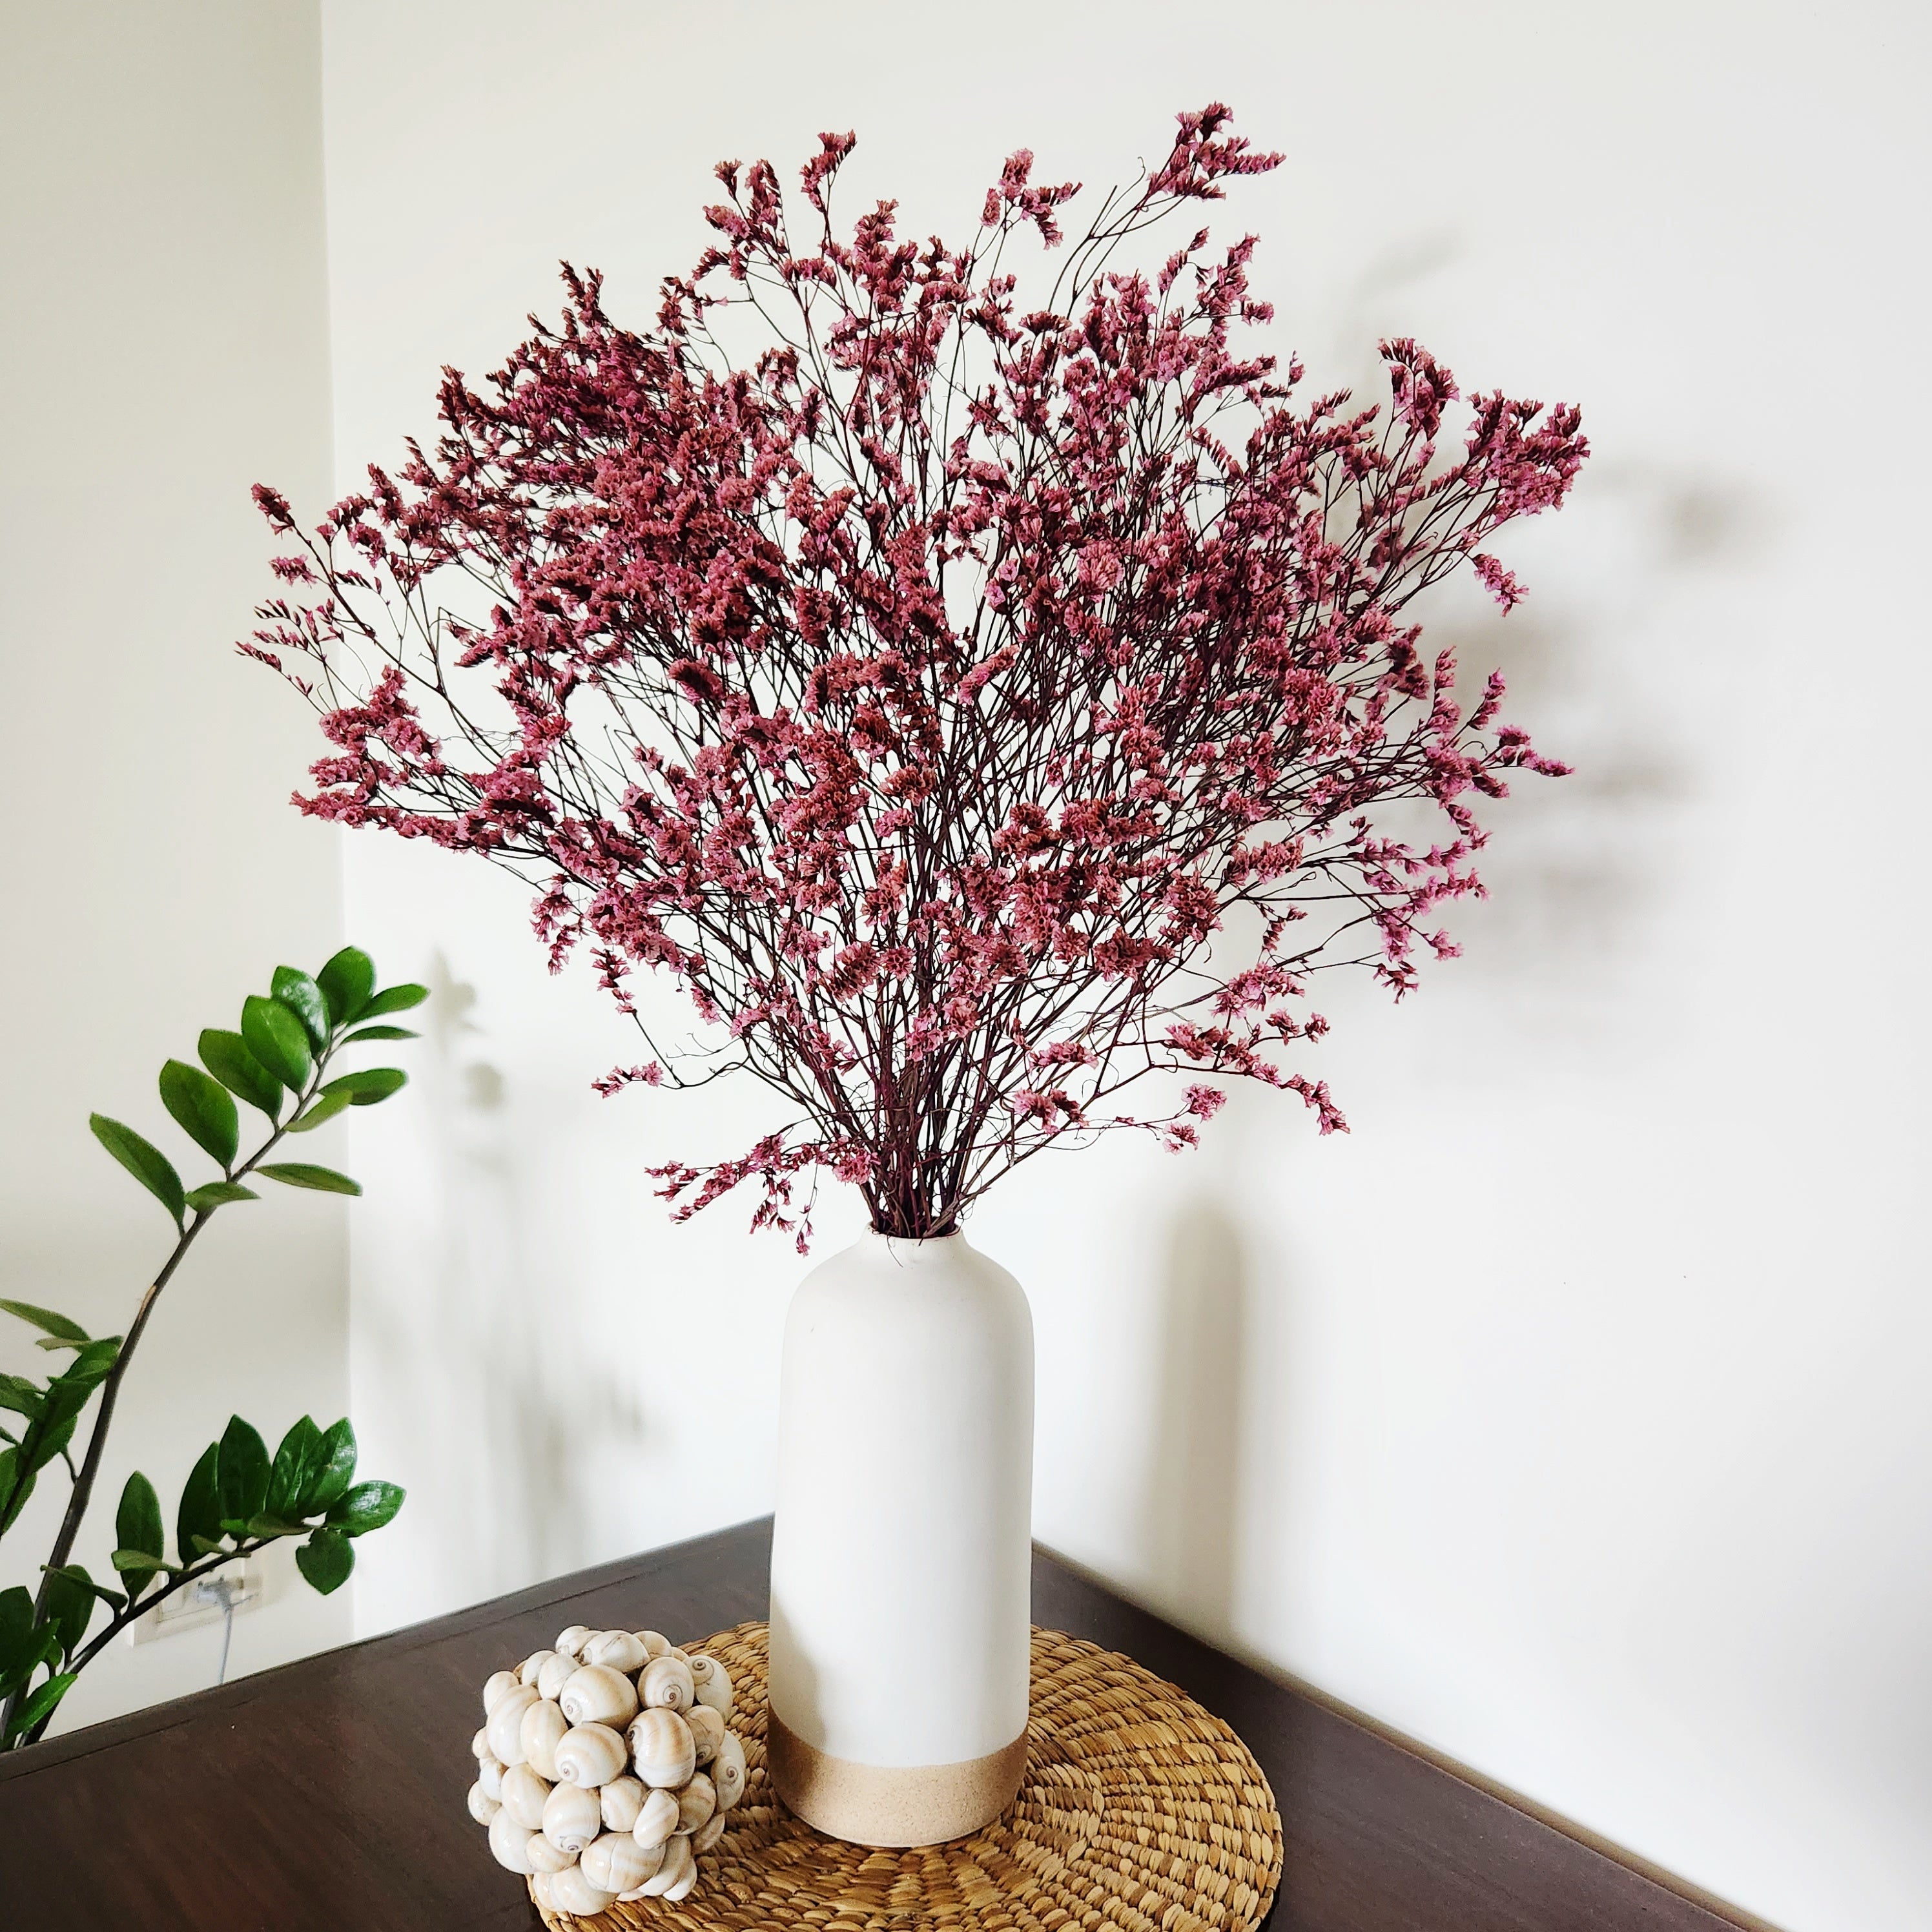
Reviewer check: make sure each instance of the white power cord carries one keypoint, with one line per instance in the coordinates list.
(227, 1591)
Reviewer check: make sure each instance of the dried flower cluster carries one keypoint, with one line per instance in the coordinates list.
(978, 707)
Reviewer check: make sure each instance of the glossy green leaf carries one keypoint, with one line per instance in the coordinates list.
(335, 1469)
(299, 1174)
(326, 1559)
(144, 1161)
(326, 1108)
(393, 999)
(202, 1108)
(278, 1040)
(298, 1463)
(380, 1032)
(55, 1324)
(41, 1705)
(268, 1527)
(241, 1472)
(303, 997)
(227, 1056)
(372, 1085)
(366, 1506)
(137, 1522)
(74, 1574)
(209, 1545)
(21, 1396)
(199, 1515)
(91, 1361)
(68, 1603)
(17, 1626)
(346, 982)
(16, 1485)
(218, 1194)
(140, 1570)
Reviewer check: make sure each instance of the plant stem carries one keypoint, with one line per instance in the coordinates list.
(82, 1492)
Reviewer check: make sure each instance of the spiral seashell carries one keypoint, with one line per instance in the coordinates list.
(570, 1892)
(540, 1891)
(655, 1645)
(479, 1745)
(482, 1807)
(663, 1752)
(571, 1641)
(546, 1857)
(543, 1727)
(617, 1650)
(554, 1673)
(505, 1727)
(524, 1796)
(596, 1695)
(489, 1775)
(727, 1772)
(695, 1803)
(616, 1862)
(713, 1829)
(714, 1687)
(707, 1731)
(666, 1685)
(657, 1819)
(678, 1865)
(509, 1844)
(571, 1818)
(527, 1671)
(500, 1685)
(621, 1800)
(589, 1755)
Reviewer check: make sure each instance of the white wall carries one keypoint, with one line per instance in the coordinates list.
(1570, 1414)
(163, 344)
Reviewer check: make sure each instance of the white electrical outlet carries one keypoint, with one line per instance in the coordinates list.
(189, 1609)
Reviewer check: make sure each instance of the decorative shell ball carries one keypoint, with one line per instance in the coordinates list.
(606, 1767)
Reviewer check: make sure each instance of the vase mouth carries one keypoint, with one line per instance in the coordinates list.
(879, 1237)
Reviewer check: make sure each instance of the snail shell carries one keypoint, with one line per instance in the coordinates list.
(479, 1745)
(616, 1862)
(685, 1886)
(654, 1645)
(657, 1819)
(707, 1731)
(617, 1650)
(509, 1844)
(570, 1642)
(712, 1687)
(505, 1725)
(489, 1775)
(555, 1672)
(524, 1796)
(666, 1685)
(589, 1755)
(543, 1728)
(713, 1829)
(570, 1892)
(597, 1695)
(678, 1865)
(696, 1802)
(540, 1891)
(482, 1807)
(544, 1856)
(621, 1799)
(727, 1771)
(526, 1671)
(663, 1752)
(571, 1818)
(501, 1683)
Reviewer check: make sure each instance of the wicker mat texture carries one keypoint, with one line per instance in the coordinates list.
(1140, 1813)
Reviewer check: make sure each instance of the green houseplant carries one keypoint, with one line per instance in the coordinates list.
(238, 1499)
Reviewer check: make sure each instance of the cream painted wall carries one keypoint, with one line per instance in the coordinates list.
(1569, 1415)
(163, 343)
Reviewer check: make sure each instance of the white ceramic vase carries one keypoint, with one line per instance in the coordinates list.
(902, 1554)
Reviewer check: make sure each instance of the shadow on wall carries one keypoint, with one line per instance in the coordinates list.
(1192, 1507)
(503, 1434)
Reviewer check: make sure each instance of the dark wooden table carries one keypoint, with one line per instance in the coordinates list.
(328, 1796)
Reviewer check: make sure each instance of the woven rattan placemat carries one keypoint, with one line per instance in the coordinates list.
(1140, 1813)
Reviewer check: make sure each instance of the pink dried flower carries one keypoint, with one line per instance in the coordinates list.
(931, 692)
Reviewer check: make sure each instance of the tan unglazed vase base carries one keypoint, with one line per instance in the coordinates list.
(889, 1805)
